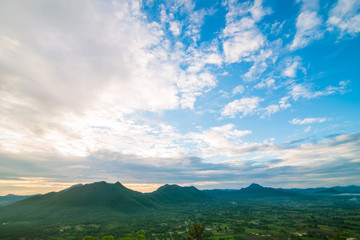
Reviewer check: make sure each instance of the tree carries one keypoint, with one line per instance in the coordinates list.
(108, 238)
(128, 237)
(341, 236)
(89, 238)
(196, 232)
(140, 235)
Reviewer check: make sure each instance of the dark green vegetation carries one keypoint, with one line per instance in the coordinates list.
(103, 209)
(11, 198)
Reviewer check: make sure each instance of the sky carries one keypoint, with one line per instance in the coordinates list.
(215, 94)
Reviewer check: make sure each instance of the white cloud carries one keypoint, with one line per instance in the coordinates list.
(245, 106)
(175, 28)
(238, 90)
(284, 102)
(241, 39)
(307, 129)
(69, 88)
(345, 16)
(308, 25)
(223, 140)
(274, 108)
(307, 121)
(291, 69)
(298, 91)
(269, 82)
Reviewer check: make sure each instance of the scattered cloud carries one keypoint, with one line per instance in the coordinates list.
(307, 121)
(241, 37)
(245, 106)
(175, 28)
(345, 16)
(298, 91)
(274, 108)
(291, 68)
(308, 25)
(269, 82)
(238, 90)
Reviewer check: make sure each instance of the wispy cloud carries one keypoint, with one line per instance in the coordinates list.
(298, 91)
(345, 16)
(307, 121)
(308, 25)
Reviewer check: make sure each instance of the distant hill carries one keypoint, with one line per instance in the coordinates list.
(176, 194)
(329, 191)
(332, 190)
(11, 198)
(250, 192)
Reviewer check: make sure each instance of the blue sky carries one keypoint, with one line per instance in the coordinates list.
(215, 94)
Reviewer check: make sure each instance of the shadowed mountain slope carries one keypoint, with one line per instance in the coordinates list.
(176, 194)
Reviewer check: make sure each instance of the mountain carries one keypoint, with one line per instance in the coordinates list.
(348, 189)
(315, 191)
(252, 191)
(98, 200)
(11, 198)
(177, 194)
(329, 191)
(83, 202)
(99, 194)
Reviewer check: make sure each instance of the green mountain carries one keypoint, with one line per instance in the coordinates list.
(251, 192)
(177, 194)
(11, 198)
(99, 194)
(98, 200)
(80, 202)
(329, 191)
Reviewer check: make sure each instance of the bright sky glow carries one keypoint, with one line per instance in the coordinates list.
(216, 94)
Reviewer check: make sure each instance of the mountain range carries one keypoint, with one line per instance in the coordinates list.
(92, 200)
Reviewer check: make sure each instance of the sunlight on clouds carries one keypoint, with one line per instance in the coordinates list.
(114, 90)
(32, 185)
(143, 187)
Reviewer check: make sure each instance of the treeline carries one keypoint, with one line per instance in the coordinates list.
(195, 232)
(140, 235)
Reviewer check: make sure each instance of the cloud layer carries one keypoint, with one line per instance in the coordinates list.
(151, 93)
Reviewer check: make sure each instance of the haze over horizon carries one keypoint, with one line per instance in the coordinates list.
(215, 94)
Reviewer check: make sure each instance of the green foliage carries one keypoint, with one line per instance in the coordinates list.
(108, 238)
(89, 238)
(140, 235)
(127, 237)
(196, 232)
(341, 236)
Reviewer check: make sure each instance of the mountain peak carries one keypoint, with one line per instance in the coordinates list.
(255, 186)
